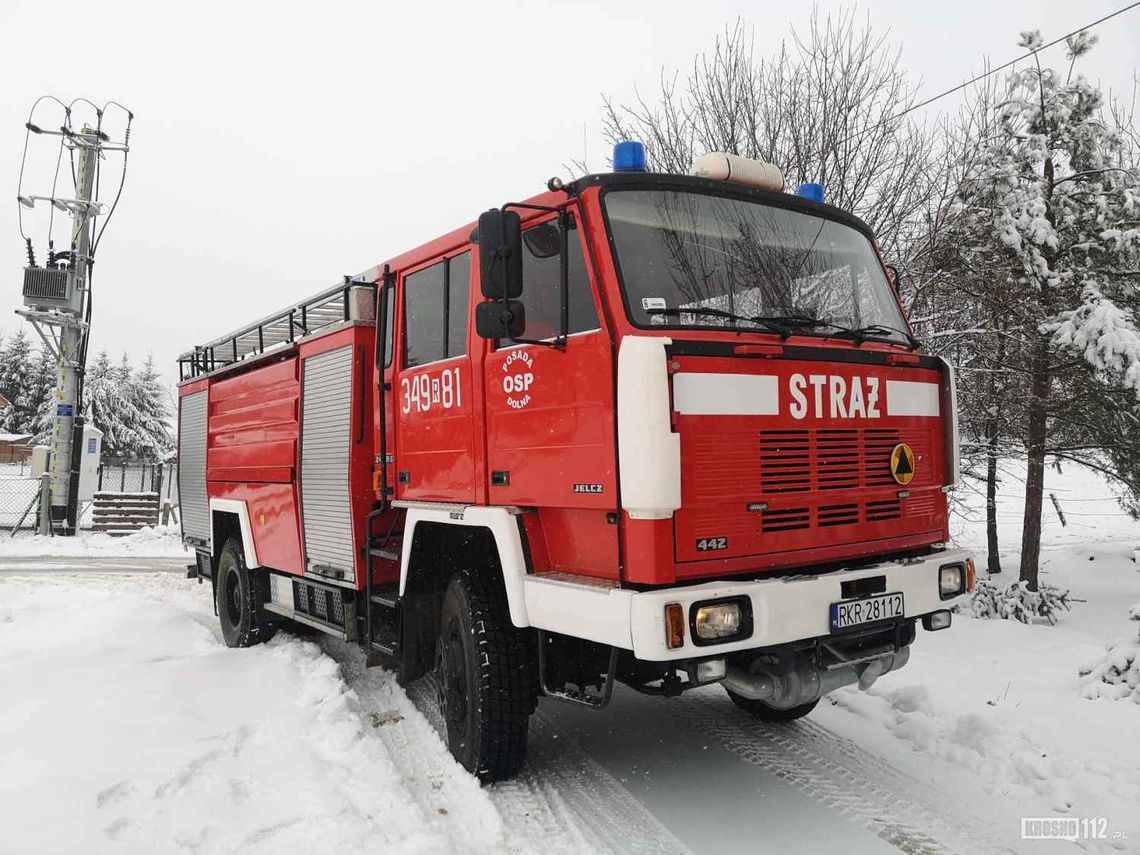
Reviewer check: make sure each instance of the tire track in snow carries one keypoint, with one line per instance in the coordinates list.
(904, 811)
(563, 801)
(445, 793)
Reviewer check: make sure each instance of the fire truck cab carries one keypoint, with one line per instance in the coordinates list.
(658, 429)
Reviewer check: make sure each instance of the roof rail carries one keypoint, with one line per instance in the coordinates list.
(332, 306)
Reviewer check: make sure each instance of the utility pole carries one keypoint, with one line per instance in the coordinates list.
(73, 332)
(57, 298)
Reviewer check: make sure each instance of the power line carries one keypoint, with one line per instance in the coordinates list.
(992, 71)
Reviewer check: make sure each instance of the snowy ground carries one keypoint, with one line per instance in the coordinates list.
(161, 542)
(126, 726)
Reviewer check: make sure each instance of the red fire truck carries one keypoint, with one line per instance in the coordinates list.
(667, 430)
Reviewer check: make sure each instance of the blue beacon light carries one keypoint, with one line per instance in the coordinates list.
(629, 156)
(810, 190)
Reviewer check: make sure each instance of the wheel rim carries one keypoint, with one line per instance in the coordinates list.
(232, 598)
(451, 682)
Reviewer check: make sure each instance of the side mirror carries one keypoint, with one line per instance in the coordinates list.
(500, 319)
(500, 255)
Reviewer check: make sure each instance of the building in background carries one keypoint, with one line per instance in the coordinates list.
(14, 447)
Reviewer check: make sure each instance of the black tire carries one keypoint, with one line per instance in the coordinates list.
(764, 712)
(483, 677)
(238, 595)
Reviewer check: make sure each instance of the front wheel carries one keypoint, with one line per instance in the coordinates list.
(239, 593)
(764, 712)
(483, 679)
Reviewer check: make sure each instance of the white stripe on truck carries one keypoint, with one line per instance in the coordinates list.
(906, 398)
(726, 394)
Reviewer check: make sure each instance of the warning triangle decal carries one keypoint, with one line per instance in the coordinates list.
(904, 467)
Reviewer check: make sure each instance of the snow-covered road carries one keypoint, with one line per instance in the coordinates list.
(130, 728)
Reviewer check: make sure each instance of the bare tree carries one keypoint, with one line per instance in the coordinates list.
(828, 108)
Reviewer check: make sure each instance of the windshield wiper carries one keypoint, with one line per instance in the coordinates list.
(871, 332)
(770, 323)
(879, 332)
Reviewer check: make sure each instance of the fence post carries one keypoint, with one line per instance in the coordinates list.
(123, 479)
(45, 504)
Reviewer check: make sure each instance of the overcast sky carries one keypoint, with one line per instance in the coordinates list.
(273, 151)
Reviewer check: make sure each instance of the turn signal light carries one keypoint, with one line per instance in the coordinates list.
(971, 575)
(674, 626)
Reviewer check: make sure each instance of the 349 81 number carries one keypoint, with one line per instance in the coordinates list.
(425, 392)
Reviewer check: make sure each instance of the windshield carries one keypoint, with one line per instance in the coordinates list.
(696, 260)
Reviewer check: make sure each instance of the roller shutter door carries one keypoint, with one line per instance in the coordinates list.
(326, 437)
(192, 499)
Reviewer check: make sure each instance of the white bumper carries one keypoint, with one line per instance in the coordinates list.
(783, 610)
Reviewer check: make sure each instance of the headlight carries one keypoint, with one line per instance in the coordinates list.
(716, 621)
(719, 621)
(951, 580)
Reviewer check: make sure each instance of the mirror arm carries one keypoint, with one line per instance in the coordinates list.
(565, 224)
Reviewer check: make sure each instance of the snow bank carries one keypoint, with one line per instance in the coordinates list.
(139, 732)
(1016, 602)
(992, 710)
(160, 542)
(1117, 675)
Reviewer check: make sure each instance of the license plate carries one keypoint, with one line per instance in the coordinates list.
(869, 610)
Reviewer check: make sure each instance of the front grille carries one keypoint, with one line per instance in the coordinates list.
(798, 461)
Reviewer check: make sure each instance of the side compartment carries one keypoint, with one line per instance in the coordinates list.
(192, 468)
(326, 455)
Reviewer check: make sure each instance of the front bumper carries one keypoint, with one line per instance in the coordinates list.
(784, 610)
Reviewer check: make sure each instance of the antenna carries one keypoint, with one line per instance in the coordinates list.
(57, 295)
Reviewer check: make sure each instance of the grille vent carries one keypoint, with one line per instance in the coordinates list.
(828, 515)
(798, 461)
(785, 461)
(883, 510)
(785, 519)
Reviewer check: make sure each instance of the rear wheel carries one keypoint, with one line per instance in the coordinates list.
(483, 679)
(239, 593)
(764, 712)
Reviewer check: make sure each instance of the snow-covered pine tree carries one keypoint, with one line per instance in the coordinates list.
(152, 400)
(1052, 193)
(43, 402)
(110, 408)
(15, 383)
(130, 408)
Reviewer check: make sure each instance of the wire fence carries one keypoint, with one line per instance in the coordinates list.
(18, 493)
(19, 490)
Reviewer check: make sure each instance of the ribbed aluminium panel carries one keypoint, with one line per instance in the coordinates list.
(192, 466)
(326, 439)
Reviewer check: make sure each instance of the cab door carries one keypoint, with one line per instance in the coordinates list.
(433, 392)
(549, 412)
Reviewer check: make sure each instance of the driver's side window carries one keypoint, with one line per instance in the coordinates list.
(540, 278)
